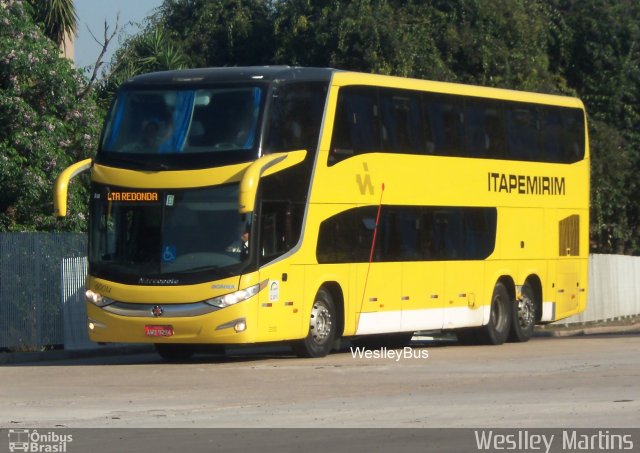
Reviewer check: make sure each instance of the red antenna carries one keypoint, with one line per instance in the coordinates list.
(375, 230)
(373, 247)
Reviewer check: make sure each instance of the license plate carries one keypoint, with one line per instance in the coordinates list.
(158, 331)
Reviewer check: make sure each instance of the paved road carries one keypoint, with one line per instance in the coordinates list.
(548, 382)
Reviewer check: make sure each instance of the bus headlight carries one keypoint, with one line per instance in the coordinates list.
(97, 299)
(238, 296)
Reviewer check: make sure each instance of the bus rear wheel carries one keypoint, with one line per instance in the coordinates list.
(497, 329)
(322, 328)
(523, 316)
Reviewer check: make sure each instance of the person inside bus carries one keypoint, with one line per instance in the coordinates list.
(155, 135)
(244, 247)
(241, 247)
(242, 117)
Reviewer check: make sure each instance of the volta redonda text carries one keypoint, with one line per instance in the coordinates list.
(132, 196)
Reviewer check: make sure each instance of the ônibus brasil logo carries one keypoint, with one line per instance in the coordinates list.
(33, 441)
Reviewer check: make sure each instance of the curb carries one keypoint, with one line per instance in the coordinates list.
(602, 329)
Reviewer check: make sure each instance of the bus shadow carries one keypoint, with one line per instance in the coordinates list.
(232, 354)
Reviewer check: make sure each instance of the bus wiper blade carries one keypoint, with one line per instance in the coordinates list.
(139, 163)
(211, 267)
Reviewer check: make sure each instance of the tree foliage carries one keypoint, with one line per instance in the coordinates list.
(147, 52)
(595, 46)
(58, 18)
(45, 126)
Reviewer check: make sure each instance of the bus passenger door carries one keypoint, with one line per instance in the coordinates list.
(271, 308)
(422, 296)
(281, 308)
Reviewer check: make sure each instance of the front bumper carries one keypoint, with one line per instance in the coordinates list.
(216, 327)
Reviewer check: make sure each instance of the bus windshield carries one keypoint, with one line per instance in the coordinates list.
(170, 121)
(188, 234)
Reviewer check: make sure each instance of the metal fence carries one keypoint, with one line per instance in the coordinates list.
(614, 292)
(72, 276)
(614, 289)
(42, 284)
(31, 315)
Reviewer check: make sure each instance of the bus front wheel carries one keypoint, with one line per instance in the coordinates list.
(322, 328)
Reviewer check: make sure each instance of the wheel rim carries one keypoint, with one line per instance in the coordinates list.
(320, 323)
(526, 311)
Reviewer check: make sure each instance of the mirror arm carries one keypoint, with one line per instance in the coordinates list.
(62, 185)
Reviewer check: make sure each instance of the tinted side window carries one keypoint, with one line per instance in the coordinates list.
(523, 131)
(408, 233)
(280, 223)
(457, 233)
(402, 122)
(485, 134)
(551, 135)
(357, 124)
(347, 237)
(295, 117)
(446, 119)
(573, 140)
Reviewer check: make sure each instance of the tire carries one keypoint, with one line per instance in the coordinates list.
(388, 340)
(523, 316)
(175, 353)
(322, 328)
(497, 329)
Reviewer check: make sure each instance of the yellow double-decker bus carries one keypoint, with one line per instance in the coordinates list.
(262, 204)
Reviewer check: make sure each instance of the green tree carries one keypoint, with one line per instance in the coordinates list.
(595, 45)
(58, 18)
(45, 126)
(612, 231)
(219, 32)
(501, 43)
(363, 35)
(149, 51)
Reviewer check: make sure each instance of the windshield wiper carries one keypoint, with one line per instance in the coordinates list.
(211, 267)
(135, 161)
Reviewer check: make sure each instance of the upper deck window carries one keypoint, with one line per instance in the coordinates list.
(384, 120)
(170, 121)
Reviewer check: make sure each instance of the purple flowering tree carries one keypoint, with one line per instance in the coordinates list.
(45, 125)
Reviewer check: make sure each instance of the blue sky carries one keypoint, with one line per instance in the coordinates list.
(93, 13)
